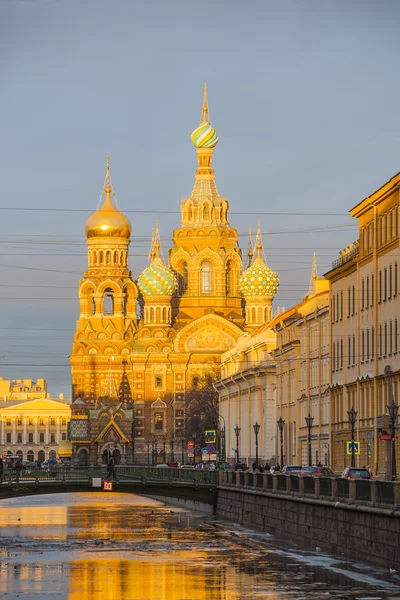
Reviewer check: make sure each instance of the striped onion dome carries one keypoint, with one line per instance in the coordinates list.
(204, 136)
(259, 280)
(157, 280)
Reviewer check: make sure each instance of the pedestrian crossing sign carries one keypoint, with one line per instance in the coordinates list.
(350, 447)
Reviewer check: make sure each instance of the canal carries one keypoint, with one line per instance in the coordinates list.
(111, 546)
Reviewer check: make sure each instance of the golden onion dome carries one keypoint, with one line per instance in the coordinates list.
(108, 221)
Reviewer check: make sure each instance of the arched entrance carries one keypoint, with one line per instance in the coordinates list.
(109, 452)
(52, 454)
(41, 456)
(19, 454)
(116, 456)
(30, 456)
(83, 457)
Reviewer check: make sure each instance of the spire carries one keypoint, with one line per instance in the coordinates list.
(314, 276)
(250, 253)
(107, 188)
(259, 240)
(152, 252)
(204, 111)
(157, 242)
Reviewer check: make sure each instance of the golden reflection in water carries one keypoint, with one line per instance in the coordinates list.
(39, 516)
(143, 580)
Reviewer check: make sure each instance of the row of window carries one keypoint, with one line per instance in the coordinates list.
(30, 438)
(388, 283)
(30, 421)
(206, 279)
(388, 337)
(388, 226)
(388, 343)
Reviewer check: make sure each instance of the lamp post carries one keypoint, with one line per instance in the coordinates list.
(222, 442)
(393, 412)
(164, 453)
(309, 421)
(352, 420)
(172, 457)
(183, 451)
(148, 452)
(256, 428)
(237, 433)
(281, 424)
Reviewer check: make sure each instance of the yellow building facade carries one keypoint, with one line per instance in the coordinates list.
(35, 430)
(191, 310)
(303, 377)
(365, 321)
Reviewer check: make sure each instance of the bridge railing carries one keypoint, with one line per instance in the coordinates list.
(336, 489)
(120, 474)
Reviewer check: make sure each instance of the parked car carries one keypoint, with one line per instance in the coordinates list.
(362, 472)
(317, 470)
(239, 466)
(292, 469)
(162, 466)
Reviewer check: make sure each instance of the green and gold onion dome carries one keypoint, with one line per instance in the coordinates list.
(204, 136)
(108, 221)
(259, 280)
(157, 280)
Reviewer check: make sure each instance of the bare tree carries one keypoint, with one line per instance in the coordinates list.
(202, 407)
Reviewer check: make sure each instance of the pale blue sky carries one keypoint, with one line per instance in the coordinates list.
(304, 96)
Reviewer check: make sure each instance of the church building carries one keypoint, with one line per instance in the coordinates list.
(139, 346)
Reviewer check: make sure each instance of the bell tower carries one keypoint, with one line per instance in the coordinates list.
(205, 254)
(107, 296)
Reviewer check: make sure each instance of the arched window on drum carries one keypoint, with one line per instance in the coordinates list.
(108, 306)
(206, 277)
(183, 279)
(229, 279)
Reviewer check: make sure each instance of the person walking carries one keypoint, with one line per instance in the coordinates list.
(18, 469)
(110, 473)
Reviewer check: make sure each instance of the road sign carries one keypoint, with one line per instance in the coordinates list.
(204, 450)
(356, 447)
(211, 449)
(190, 444)
(385, 436)
(210, 436)
(190, 453)
(108, 486)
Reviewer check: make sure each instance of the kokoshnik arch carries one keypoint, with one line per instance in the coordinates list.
(130, 373)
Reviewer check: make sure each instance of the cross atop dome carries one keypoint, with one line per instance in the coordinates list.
(205, 136)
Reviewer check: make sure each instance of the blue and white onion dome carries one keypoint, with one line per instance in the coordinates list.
(259, 280)
(157, 280)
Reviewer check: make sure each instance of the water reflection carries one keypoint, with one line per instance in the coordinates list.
(118, 546)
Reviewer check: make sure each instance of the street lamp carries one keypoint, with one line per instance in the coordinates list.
(281, 424)
(352, 420)
(172, 457)
(309, 421)
(256, 428)
(148, 452)
(393, 412)
(164, 452)
(237, 433)
(183, 451)
(222, 443)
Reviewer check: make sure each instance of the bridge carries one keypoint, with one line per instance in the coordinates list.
(191, 484)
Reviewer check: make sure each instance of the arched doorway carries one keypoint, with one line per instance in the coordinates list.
(19, 454)
(116, 456)
(41, 456)
(30, 456)
(82, 457)
(52, 454)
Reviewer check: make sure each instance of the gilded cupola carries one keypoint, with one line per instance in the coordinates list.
(258, 285)
(108, 220)
(156, 279)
